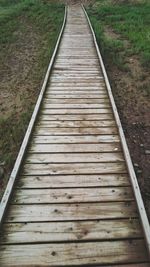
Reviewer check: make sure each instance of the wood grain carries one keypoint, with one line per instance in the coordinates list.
(73, 181)
(75, 147)
(75, 168)
(73, 254)
(75, 195)
(18, 233)
(68, 212)
(80, 139)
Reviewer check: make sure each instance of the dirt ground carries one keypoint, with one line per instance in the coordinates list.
(20, 83)
(130, 90)
(16, 85)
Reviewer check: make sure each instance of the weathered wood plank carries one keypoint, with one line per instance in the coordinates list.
(74, 106)
(76, 74)
(76, 195)
(76, 101)
(77, 111)
(63, 71)
(74, 157)
(74, 96)
(80, 139)
(76, 148)
(76, 79)
(39, 130)
(68, 212)
(78, 117)
(77, 88)
(77, 91)
(70, 231)
(84, 69)
(76, 168)
(72, 181)
(76, 124)
(77, 84)
(73, 254)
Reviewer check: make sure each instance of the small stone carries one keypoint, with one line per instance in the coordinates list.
(141, 145)
(136, 165)
(3, 163)
(147, 152)
(139, 171)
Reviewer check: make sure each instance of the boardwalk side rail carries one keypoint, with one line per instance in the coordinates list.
(22, 151)
(133, 179)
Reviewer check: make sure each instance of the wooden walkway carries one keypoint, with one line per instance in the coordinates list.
(73, 203)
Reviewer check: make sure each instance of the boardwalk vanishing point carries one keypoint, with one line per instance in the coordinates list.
(73, 198)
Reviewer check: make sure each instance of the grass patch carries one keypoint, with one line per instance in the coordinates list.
(130, 20)
(20, 19)
(45, 17)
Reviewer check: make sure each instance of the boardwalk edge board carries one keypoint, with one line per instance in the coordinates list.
(14, 173)
(133, 179)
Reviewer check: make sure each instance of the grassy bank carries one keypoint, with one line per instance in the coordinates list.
(131, 20)
(28, 33)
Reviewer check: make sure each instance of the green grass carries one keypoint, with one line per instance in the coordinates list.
(44, 19)
(131, 21)
(46, 16)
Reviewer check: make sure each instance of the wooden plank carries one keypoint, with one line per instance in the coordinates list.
(75, 68)
(68, 212)
(76, 60)
(76, 74)
(101, 93)
(77, 139)
(18, 233)
(92, 84)
(76, 124)
(74, 157)
(75, 131)
(76, 148)
(73, 106)
(76, 111)
(72, 181)
(73, 254)
(76, 117)
(76, 101)
(69, 79)
(75, 195)
(78, 90)
(63, 71)
(76, 168)
(75, 94)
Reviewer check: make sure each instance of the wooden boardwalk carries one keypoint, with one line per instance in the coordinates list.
(73, 203)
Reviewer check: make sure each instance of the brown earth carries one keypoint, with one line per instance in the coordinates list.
(21, 79)
(130, 90)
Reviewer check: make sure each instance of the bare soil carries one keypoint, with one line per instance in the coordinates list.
(130, 89)
(21, 79)
(17, 85)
